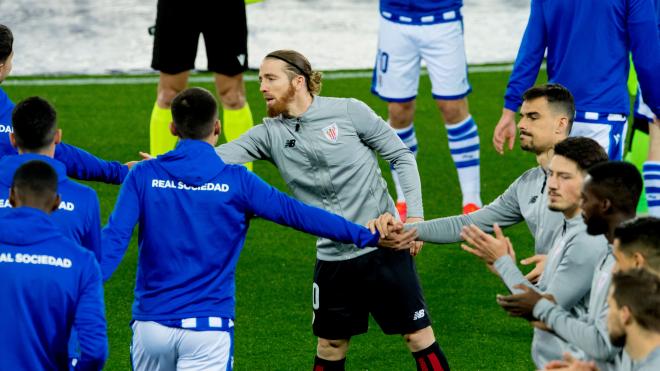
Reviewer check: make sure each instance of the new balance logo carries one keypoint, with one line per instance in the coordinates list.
(241, 59)
(533, 199)
(419, 314)
(290, 143)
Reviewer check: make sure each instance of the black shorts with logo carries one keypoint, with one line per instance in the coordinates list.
(383, 283)
(179, 24)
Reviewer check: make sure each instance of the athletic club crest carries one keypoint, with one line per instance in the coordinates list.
(331, 132)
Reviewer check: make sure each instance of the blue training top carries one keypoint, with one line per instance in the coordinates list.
(194, 212)
(421, 12)
(80, 164)
(48, 285)
(79, 215)
(588, 44)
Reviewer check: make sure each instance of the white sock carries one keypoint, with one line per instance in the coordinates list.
(464, 147)
(408, 138)
(651, 173)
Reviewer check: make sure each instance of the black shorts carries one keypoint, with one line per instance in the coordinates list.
(383, 283)
(179, 24)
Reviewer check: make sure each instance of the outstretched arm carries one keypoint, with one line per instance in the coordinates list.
(253, 145)
(267, 202)
(82, 165)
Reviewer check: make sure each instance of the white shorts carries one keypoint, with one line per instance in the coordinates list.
(402, 47)
(609, 130)
(642, 110)
(160, 348)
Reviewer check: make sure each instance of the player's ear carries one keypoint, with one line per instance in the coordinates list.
(562, 125)
(58, 137)
(640, 260)
(217, 128)
(12, 140)
(173, 129)
(300, 82)
(56, 202)
(12, 197)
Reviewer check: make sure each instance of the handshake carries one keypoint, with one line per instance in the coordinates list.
(395, 235)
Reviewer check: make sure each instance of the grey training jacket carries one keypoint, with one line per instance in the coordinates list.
(525, 199)
(567, 275)
(328, 159)
(650, 363)
(588, 333)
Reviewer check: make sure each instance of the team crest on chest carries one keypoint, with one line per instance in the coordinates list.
(331, 132)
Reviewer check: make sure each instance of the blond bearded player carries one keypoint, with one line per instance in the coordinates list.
(325, 149)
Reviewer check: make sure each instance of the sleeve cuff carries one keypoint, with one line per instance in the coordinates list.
(373, 241)
(513, 106)
(502, 263)
(542, 308)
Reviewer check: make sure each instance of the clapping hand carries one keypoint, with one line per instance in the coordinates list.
(484, 246)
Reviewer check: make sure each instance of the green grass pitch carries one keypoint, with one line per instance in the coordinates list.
(274, 275)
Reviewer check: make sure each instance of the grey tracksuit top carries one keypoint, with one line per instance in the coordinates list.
(328, 159)
(567, 275)
(589, 332)
(525, 199)
(650, 363)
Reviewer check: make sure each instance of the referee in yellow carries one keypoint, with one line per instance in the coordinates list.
(178, 26)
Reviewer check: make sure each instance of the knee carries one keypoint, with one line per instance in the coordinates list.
(332, 350)
(420, 339)
(401, 114)
(453, 111)
(166, 96)
(231, 97)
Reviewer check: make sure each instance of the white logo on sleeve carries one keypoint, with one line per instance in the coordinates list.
(419, 315)
(331, 132)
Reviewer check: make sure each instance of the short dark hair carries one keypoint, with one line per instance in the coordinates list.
(639, 290)
(35, 123)
(585, 152)
(6, 43)
(35, 179)
(641, 235)
(194, 111)
(618, 181)
(558, 97)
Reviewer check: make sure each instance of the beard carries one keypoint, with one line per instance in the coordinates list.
(597, 225)
(556, 208)
(618, 340)
(280, 107)
(528, 145)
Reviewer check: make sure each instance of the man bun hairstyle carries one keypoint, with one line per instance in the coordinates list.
(297, 64)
